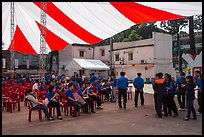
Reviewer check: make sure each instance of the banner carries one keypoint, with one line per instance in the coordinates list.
(3, 63)
(27, 63)
(16, 63)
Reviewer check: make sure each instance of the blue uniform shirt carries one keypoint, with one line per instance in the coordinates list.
(198, 83)
(69, 93)
(49, 95)
(114, 82)
(122, 82)
(138, 83)
(80, 90)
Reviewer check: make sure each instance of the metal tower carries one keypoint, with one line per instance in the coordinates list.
(12, 41)
(42, 40)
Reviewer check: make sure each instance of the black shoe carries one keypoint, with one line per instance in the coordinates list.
(49, 119)
(186, 119)
(88, 112)
(194, 118)
(93, 111)
(158, 116)
(59, 117)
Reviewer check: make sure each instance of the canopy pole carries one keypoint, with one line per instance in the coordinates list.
(42, 40)
(111, 55)
(12, 41)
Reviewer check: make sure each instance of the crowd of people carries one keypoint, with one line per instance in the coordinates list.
(184, 87)
(82, 92)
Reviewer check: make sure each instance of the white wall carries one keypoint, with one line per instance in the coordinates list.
(163, 53)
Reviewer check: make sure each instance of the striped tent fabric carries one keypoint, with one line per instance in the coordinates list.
(83, 22)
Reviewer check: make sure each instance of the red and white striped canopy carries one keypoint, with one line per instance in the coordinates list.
(83, 22)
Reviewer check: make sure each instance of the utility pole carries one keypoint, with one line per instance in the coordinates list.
(192, 36)
(179, 48)
(42, 40)
(111, 55)
(12, 40)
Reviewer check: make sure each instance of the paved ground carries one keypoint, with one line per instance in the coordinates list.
(109, 121)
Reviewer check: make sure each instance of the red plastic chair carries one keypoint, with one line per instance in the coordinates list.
(129, 92)
(30, 108)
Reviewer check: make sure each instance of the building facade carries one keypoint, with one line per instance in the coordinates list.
(147, 56)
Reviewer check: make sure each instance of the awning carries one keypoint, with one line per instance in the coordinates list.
(83, 22)
(89, 64)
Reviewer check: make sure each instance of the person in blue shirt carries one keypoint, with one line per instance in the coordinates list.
(139, 85)
(122, 84)
(48, 78)
(89, 101)
(100, 78)
(96, 86)
(92, 78)
(41, 87)
(181, 80)
(105, 90)
(113, 91)
(190, 86)
(198, 82)
(92, 95)
(74, 76)
(170, 87)
(53, 99)
(71, 98)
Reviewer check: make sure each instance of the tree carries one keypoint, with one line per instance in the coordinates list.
(171, 25)
(134, 36)
(198, 22)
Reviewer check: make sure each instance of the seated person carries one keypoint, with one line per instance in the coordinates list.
(53, 99)
(71, 98)
(105, 89)
(36, 104)
(81, 92)
(93, 95)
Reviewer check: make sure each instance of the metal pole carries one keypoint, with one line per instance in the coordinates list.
(111, 54)
(42, 40)
(179, 48)
(12, 41)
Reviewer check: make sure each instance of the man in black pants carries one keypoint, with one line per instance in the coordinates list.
(122, 84)
(159, 88)
(181, 91)
(139, 85)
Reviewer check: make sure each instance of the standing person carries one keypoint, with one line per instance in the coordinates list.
(155, 97)
(181, 91)
(100, 78)
(37, 104)
(198, 81)
(113, 91)
(139, 85)
(170, 96)
(122, 84)
(159, 88)
(92, 77)
(191, 97)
